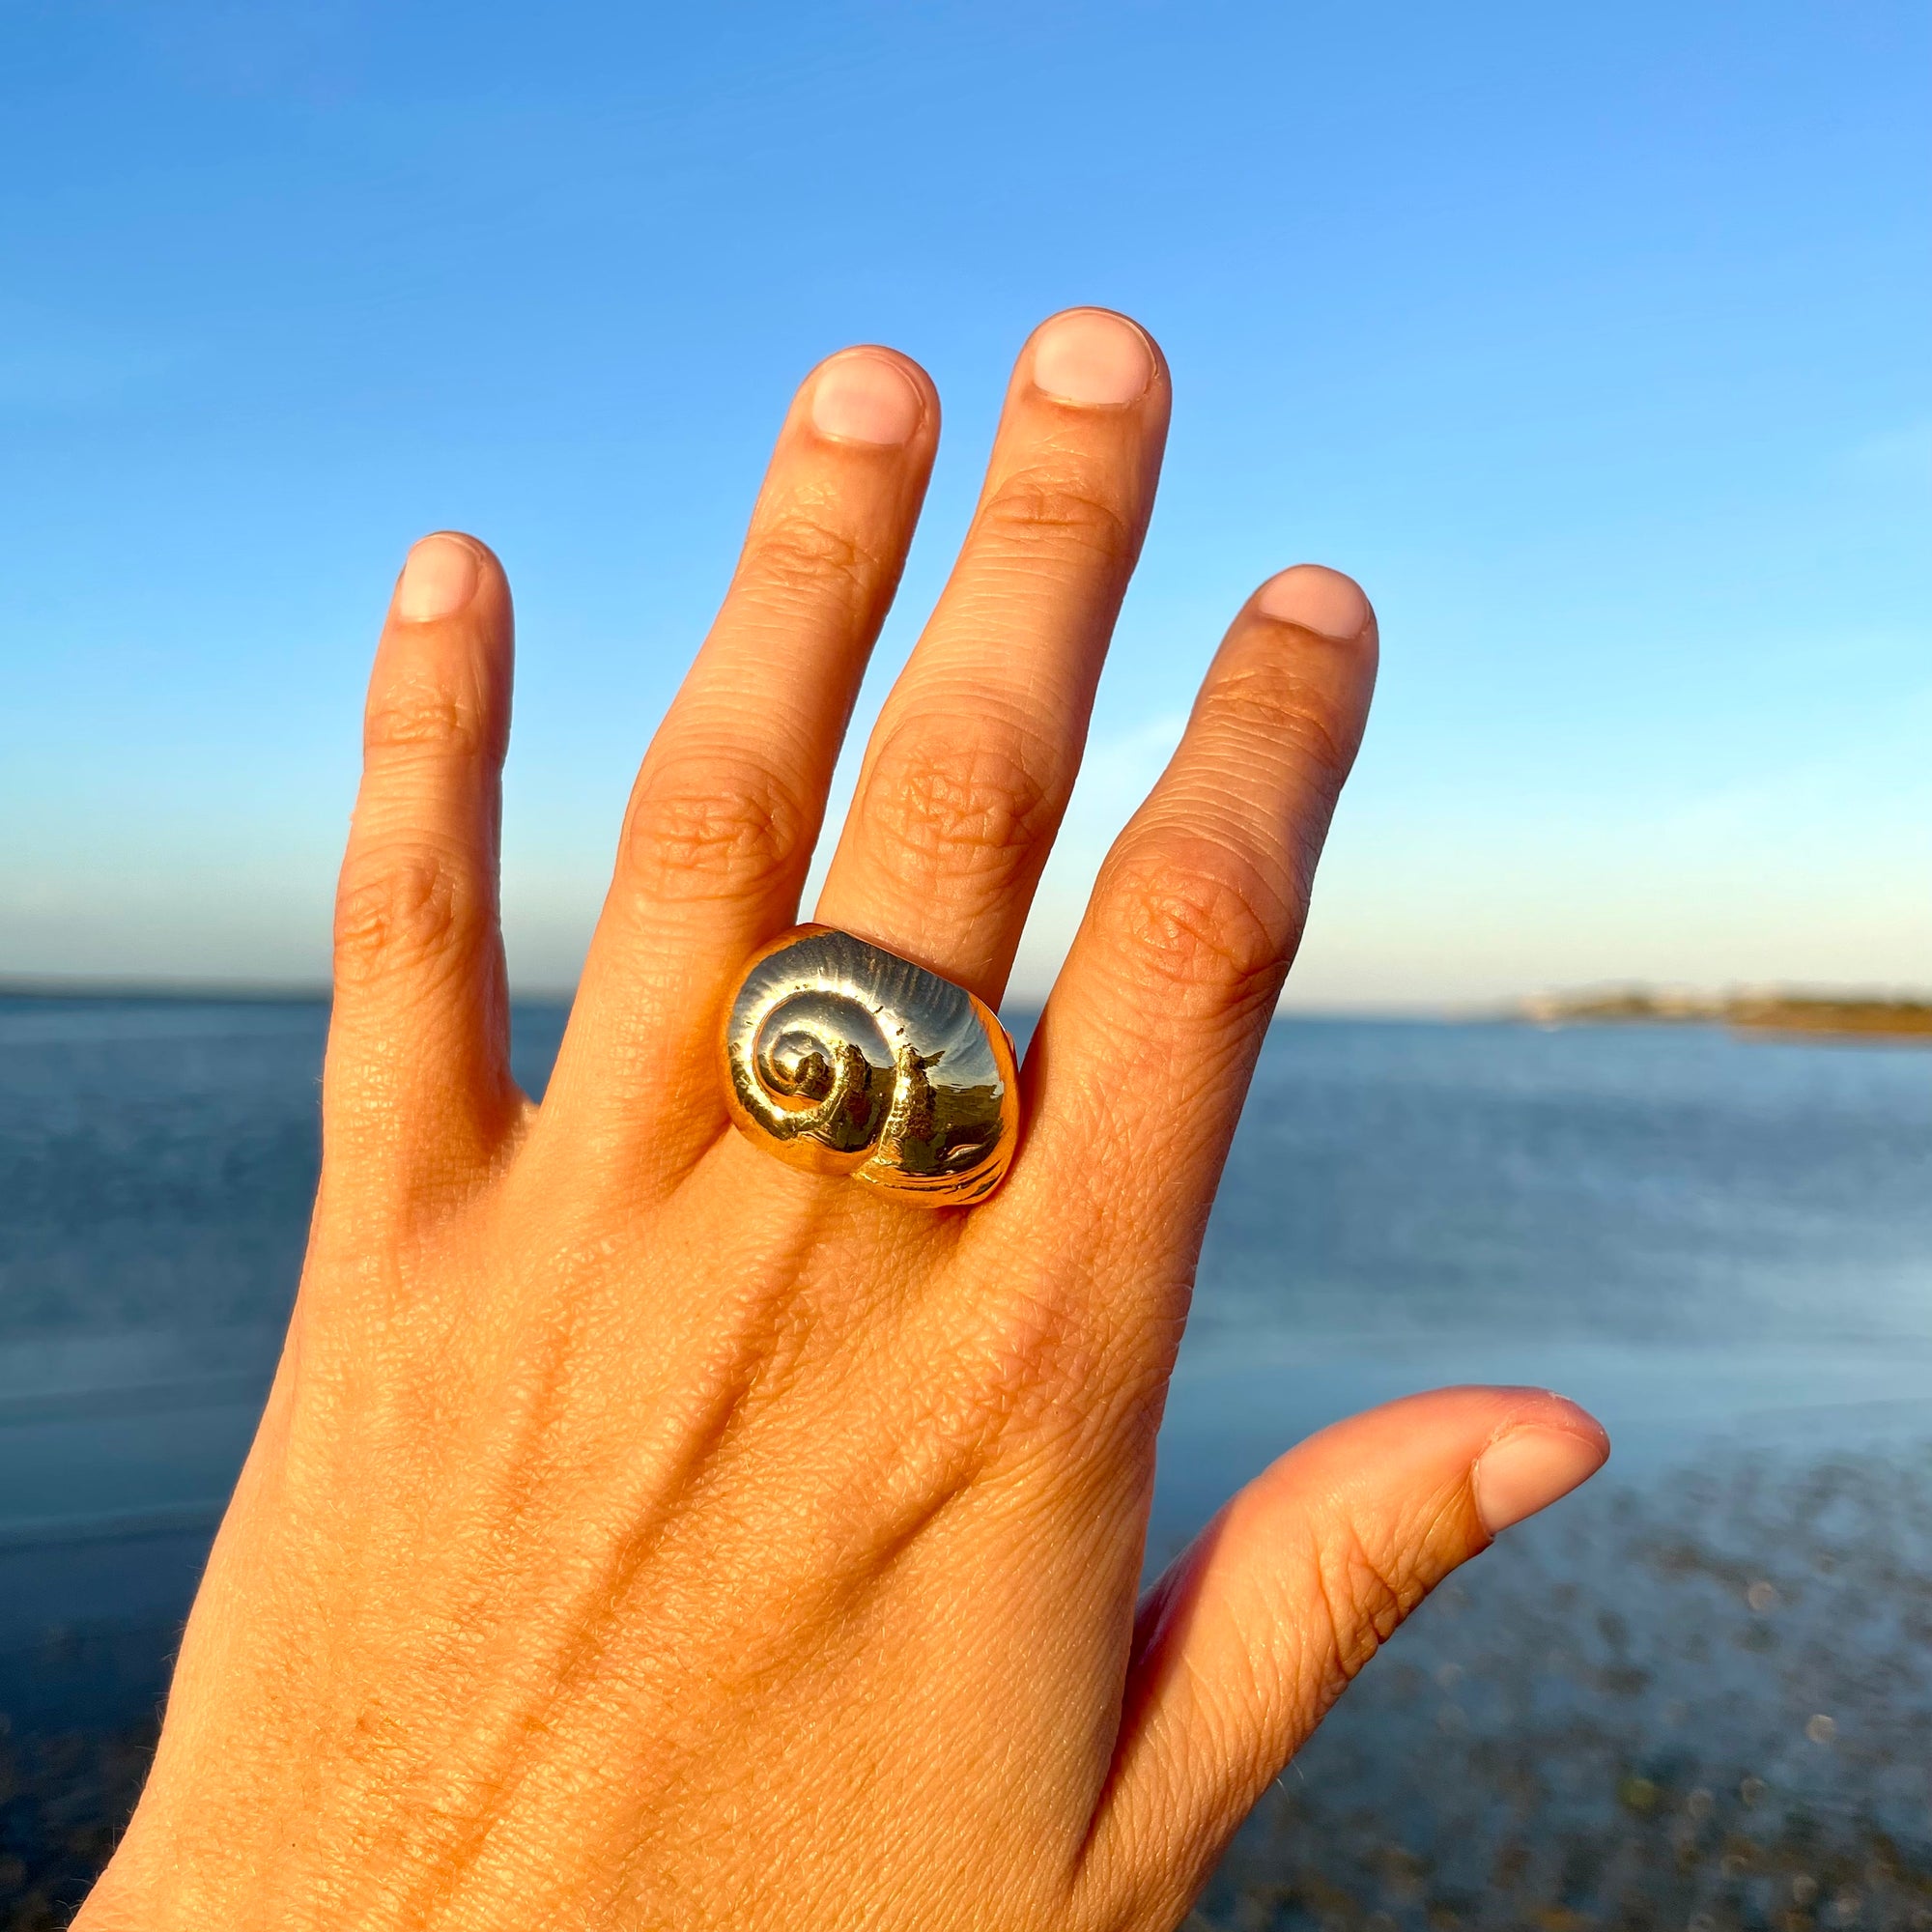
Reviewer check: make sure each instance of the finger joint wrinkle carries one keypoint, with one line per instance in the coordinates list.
(402, 906)
(710, 830)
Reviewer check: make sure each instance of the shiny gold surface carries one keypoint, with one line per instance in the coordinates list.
(841, 1058)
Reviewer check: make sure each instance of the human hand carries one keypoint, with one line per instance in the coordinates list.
(641, 1533)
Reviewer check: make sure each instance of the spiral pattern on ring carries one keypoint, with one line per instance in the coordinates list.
(845, 1059)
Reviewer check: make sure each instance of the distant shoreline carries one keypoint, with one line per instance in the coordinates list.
(212, 992)
(1805, 1014)
(215, 993)
(1814, 1014)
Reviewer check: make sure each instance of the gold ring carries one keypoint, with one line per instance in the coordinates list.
(842, 1058)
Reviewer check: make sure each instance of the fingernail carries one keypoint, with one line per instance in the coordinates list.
(865, 398)
(1319, 600)
(438, 581)
(1089, 356)
(1528, 1468)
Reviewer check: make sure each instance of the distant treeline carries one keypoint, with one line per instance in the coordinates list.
(1757, 1010)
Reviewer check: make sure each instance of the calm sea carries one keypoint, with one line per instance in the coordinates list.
(1724, 1247)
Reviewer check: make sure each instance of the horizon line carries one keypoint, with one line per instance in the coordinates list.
(1514, 1005)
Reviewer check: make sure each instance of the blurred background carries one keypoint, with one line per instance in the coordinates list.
(1592, 342)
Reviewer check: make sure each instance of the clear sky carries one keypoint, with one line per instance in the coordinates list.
(1596, 341)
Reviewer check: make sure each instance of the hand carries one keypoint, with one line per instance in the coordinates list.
(641, 1533)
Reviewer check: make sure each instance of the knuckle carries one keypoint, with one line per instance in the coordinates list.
(800, 552)
(1055, 507)
(1363, 1593)
(1022, 1368)
(424, 717)
(1197, 921)
(1268, 698)
(708, 831)
(959, 807)
(398, 907)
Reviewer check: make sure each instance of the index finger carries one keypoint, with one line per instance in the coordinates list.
(1143, 1057)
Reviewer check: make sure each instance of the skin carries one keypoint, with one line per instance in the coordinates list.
(641, 1533)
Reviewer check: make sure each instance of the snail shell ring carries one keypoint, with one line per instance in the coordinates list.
(841, 1058)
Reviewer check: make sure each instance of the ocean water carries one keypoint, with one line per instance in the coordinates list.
(1723, 1246)
(1695, 1235)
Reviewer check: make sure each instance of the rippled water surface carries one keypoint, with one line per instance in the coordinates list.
(1723, 1246)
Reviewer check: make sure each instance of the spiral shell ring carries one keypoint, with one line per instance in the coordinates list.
(841, 1058)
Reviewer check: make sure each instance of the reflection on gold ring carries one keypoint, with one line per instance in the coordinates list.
(842, 1058)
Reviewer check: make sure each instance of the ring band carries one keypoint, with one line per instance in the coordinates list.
(842, 1058)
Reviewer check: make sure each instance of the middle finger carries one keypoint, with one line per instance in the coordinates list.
(969, 769)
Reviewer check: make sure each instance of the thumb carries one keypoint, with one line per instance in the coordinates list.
(1256, 1629)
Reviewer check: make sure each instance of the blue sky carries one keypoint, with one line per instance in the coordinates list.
(1593, 340)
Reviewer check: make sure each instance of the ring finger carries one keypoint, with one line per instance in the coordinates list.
(969, 769)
